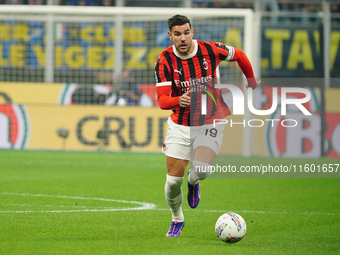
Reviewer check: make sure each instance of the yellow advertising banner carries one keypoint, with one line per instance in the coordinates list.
(112, 128)
(97, 128)
(33, 116)
(332, 104)
(39, 116)
(30, 93)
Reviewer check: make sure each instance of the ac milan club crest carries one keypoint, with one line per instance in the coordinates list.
(205, 65)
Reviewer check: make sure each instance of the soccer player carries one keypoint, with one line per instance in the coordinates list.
(180, 69)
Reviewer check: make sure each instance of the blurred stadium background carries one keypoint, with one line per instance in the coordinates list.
(78, 75)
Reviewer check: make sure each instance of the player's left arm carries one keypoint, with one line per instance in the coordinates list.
(246, 67)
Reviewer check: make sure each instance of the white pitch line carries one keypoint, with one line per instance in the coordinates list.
(142, 205)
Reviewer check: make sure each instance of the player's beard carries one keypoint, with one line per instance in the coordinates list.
(183, 52)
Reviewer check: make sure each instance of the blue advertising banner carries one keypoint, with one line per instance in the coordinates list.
(287, 51)
(296, 52)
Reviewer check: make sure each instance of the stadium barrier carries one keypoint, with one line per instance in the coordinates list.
(25, 124)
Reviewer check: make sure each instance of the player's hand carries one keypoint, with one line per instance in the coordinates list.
(184, 100)
(253, 83)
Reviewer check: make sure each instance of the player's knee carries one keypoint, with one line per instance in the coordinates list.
(201, 170)
(173, 181)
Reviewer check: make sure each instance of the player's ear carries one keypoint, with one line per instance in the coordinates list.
(170, 35)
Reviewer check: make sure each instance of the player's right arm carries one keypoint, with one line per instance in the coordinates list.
(164, 98)
(163, 88)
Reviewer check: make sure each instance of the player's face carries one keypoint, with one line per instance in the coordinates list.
(181, 37)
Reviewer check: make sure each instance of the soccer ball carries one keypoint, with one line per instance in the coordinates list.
(230, 227)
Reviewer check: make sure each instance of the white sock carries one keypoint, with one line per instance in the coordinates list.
(200, 171)
(174, 196)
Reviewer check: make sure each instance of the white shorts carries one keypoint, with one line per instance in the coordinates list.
(182, 140)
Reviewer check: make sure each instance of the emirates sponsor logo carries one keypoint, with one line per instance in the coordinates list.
(193, 82)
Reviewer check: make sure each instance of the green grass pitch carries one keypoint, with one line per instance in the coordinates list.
(82, 203)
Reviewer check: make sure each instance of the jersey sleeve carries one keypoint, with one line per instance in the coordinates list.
(246, 67)
(162, 72)
(229, 53)
(163, 86)
(224, 52)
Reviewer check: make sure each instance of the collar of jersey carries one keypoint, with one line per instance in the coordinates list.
(187, 56)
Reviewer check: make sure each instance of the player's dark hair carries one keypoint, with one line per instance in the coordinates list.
(178, 20)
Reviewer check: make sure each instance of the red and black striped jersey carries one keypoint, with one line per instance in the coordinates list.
(176, 74)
